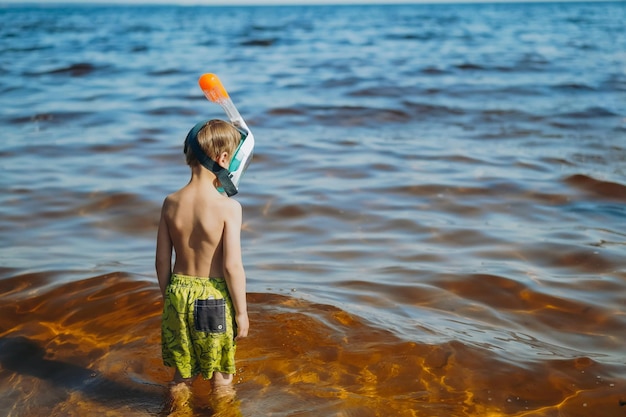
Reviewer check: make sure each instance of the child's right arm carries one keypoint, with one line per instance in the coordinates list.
(233, 268)
(163, 258)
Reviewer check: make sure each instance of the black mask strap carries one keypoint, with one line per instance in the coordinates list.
(223, 175)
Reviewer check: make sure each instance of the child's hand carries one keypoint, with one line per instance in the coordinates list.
(242, 325)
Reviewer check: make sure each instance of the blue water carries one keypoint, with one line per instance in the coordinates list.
(452, 174)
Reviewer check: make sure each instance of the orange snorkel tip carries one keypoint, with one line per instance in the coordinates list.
(213, 88)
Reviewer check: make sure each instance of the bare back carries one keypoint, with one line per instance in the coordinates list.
(196, 220)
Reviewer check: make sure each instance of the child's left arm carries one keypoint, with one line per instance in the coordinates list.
(233, 268)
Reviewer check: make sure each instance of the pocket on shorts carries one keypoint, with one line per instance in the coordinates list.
(210, 315)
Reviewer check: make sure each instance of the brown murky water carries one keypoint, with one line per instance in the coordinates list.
(92, 348)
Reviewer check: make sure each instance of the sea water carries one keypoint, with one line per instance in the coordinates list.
(434, 219)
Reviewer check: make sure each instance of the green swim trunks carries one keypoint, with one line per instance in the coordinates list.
(198, 326)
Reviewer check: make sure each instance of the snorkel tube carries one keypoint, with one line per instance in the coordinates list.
(215, 92)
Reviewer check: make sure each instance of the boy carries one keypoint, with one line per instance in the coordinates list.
(205, 309)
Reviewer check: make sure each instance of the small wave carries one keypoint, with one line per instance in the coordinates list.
(380, 91)
(433, 71)
(287, 111)
(422, 110)
(345, 115)
(259, 42)
(598, 188)
(165, 71)
(171, 110)
(50, 118)
(33, 48)
(122, 212)
(425, 36)
(589, 113)
(109, 149)
(468, 66)
(75, 70)
(290, 212)
(573, 87)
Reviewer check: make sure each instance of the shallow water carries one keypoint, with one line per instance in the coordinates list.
(434, 217)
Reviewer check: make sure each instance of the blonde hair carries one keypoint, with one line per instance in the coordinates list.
(215, 137)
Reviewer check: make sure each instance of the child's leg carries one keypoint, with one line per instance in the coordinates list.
(223, 397)
(180, 392)
(222, 384)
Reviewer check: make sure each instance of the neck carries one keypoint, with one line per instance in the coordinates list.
(203, 176)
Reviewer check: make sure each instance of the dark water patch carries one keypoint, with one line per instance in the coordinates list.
(412, 36)
(386, 91)
(434, 71)
(462, 159)
(26, 48)
(139, 48)
(126, 213)
(52, 118)
(423, 110)
(288, 111)
(574, 258)
(570, 126)
(573, 87)
(75, 70)
(509, 114)
(172, 111)
(8, 153)
(468, 66)
(381, 167)
(515, 91)
(290, 212)
(165, 72)
(423, 190)
(461, 238)
(333, 83)
(597, 188)
(259, 42)
(538, 167)
(557, 161)
(111, 148)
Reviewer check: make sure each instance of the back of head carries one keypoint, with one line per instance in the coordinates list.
(215, 137)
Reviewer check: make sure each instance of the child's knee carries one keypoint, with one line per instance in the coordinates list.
(222, 379)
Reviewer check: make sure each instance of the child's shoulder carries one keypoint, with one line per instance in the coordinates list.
(232, 209)
(171, 198)
(231, 204)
